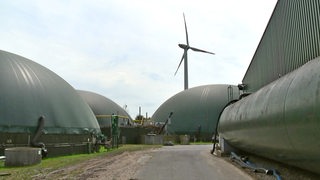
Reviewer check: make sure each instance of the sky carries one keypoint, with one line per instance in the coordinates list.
(128, 50)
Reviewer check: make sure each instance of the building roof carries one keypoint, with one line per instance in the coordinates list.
(290, 40)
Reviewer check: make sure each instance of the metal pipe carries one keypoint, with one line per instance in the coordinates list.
(216, 130)
(244, 162)
(171, 113)
(34, 141)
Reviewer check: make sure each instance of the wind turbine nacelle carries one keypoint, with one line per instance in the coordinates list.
(183, 46)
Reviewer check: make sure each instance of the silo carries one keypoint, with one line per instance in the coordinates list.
(196, 110)
(30, 91)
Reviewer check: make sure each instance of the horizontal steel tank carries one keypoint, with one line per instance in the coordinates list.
(281, 121)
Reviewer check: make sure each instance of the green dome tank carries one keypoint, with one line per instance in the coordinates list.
(196, 110)
(104, 107)
(29, 90)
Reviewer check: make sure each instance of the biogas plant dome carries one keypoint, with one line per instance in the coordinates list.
(29, 90)
(196, 110)
(104, 108)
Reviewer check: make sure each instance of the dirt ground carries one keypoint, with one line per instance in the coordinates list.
(125, 165)
(121, 167)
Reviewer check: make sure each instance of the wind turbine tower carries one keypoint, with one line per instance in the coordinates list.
(185, 48)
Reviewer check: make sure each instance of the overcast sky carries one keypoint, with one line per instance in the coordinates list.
(127, 50)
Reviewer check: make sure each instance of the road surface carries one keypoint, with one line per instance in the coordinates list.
(187, 162)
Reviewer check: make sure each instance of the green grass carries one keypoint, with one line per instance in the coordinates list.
(52, 164)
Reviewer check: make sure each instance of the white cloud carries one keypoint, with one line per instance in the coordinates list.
(127, 50)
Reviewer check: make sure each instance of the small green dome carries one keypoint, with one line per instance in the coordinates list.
(104, 107)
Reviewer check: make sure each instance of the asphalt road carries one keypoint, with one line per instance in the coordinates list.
(188, 162)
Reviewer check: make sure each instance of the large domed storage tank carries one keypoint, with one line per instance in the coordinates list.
(28, 91)
(104, 108)
(196, 110)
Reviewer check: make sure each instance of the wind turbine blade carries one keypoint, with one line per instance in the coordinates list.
(185, 26)
(199, 50)
(179, 64)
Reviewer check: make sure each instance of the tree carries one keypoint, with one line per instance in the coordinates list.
(139, 117)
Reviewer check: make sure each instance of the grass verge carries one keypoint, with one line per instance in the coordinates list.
(51, 164)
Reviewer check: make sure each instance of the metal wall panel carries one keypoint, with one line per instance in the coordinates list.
(290, 40)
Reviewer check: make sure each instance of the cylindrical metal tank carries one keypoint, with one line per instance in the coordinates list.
(280, 121)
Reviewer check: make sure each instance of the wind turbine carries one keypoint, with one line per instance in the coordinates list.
(185, 48)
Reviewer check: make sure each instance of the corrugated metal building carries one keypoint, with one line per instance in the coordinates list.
(291, 39)
(280, 119)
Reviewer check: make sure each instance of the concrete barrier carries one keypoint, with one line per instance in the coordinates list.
(22, 156)
(184, 139)
(152, 139)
